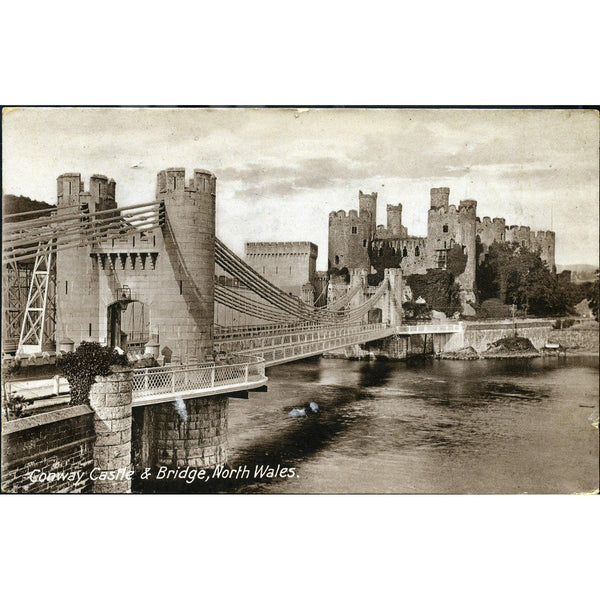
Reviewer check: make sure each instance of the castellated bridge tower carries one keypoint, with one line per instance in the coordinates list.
(189, 238)
(166, 274)
(77, 282)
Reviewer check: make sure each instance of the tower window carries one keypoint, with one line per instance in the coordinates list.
(354, 229)
(445, 228)
(405, 251)
(381, 251)
(90, 330)
(174, 183)
(417, 251)
(181, 287)
(66, 287)
(69, 188)
(336, 260)
(364, 243)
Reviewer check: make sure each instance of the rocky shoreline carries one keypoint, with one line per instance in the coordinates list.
(510, 347)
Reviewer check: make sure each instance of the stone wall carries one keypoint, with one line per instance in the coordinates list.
(58, 442)
(583, 339)
(480, 335)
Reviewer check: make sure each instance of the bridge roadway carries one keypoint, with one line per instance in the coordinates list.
(280, 345)
(251, 350)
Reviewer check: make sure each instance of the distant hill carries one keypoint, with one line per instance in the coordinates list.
(575, 268)
(12, 205)
(579, 273)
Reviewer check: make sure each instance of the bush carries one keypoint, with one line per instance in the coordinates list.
(15, 406)
(82, 366)
(493, 308)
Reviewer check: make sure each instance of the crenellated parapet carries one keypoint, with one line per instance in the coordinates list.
(100, 195)
(173, 181)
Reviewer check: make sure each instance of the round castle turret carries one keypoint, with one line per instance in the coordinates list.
(189, 234)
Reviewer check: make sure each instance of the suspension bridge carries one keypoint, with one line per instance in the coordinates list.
(72, 271)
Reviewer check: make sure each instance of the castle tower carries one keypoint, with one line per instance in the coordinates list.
(77, 315)
(467, 233)
(189, 238)
(367, 210)
(439, 197)
(394, 220)
(447, 227)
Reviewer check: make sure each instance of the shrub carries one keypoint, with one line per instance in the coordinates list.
(15, 406)
(81, 367)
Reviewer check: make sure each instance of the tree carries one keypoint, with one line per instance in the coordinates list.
(516, 275)
(438, 288)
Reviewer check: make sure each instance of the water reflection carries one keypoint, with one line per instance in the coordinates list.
(425, 426)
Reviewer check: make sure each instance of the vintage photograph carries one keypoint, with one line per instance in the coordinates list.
(300, 300)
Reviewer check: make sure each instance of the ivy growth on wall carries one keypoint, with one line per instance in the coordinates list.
(82, 366)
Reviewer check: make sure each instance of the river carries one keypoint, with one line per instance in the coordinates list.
(486, 426)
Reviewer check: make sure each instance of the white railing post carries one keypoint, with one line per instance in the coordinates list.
(212, 377)
(173, 381)
(246, 370)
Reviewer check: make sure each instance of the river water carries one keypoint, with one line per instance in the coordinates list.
(486, 426)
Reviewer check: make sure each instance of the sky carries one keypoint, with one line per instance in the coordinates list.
(280, 172)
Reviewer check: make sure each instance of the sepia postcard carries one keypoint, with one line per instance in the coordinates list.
(300, 300)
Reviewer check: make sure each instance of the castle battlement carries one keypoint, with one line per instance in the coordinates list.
(100, 194)
(490, 221)
(467, 206)
(173, 179)
(449, 209)
(543, 235)
(339, 214)
(281, 248)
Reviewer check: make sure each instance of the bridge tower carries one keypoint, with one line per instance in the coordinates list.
(189, 238)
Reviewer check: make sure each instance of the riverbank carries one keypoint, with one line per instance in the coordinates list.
(508, 347)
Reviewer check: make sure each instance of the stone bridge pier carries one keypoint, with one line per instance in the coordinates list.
(129, 438)
(190, 432)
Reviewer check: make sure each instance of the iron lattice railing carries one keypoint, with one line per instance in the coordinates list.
(187, 379)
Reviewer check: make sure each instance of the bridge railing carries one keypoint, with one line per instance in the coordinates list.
(185, 380)
(291, 345)
(244, 331)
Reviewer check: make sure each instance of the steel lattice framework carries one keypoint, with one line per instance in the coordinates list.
(34, 317)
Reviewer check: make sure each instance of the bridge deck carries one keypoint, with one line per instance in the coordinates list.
(306, 341)
(165, 384)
